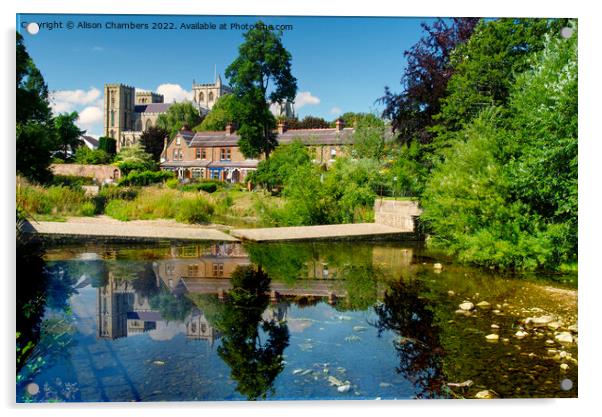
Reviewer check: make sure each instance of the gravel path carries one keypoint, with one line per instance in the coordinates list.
(106, 227)
(332, 231)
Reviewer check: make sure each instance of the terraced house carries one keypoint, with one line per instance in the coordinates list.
(216, 155)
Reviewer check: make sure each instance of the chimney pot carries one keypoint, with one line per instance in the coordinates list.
(340, 124)
(229, 129)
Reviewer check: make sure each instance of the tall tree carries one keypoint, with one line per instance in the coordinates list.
(152, 140)
(222, 113)
(69, 135)
(179, 115)
(484, 69)
(36, 136)
(260, 75)
(424, 81)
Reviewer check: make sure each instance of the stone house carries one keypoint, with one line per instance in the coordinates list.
(216, 155)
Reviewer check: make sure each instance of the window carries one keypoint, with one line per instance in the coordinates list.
(333, 153)
(201, 96)
(218, 270)
(193, 328)
(203, 154)
(225, 154)
(112, 118)
(211, 96)
(178, 139)
(193, 270)
(198, 153)
(175, 154)
(197, 173)
(169, 268)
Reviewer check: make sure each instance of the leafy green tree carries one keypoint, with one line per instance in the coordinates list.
(36, 136)
(222, 113)
(275, 171)
(352, 119)
(543, 163)
(87, 156)
(153, 140)
(69, 135)
(179, 115)
(485, 68)
(260, 75)
(107, 144)
(308, 122)
(506, 196)
(134, 158)
(369, 140)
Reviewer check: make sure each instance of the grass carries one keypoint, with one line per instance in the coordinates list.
(162, 203)
(55, 200)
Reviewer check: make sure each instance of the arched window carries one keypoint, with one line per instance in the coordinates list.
(201, 97)
(112, 118)
(211, 96)
(148, 124)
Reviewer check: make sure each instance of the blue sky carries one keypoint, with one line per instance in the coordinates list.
(341, 64)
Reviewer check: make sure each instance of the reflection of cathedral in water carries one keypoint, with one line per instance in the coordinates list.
(123, 312)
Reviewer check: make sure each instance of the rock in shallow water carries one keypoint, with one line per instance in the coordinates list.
(466, 306)
(539, 321)
(492, 337)
(344, 388)
(485, 395)
(484, 304)
(564, 337)
(520, 334)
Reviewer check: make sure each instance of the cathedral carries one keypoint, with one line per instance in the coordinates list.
(128, 113)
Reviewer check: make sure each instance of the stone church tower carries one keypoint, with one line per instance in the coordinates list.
(118, 110)
(205, 95)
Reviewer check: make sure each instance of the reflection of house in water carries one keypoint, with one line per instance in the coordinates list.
(216, 261)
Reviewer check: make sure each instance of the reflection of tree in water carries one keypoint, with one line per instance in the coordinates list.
(40, 287)
(410, 315)
(254, 364)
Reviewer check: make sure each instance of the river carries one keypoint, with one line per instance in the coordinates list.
(231, 321)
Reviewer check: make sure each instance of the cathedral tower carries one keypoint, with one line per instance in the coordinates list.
(118, 111)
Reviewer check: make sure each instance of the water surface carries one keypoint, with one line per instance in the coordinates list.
(286, 321)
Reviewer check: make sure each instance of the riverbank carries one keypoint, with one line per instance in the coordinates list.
(104, 227)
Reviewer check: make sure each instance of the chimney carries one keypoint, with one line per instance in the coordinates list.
(229, 129)
(340, 124)
(282, 127)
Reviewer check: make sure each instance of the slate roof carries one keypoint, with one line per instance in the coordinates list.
(318, 136)
(93, 142)
(306, 136)
(152, 107)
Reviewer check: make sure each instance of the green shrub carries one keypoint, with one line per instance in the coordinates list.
(146, 177)
(207, 186)
(172, 183)
(87, 156)
(197, 210)
(87, 209)
(71, 180)
(118, 209)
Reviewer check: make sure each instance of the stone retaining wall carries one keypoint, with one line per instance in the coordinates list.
(398, 214)
(101, 173)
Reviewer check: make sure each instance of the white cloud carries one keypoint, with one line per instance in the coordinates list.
(90, 116)
(336, 110)
(69, 100)
(98, 49)
(173, 92)
(305, 98)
